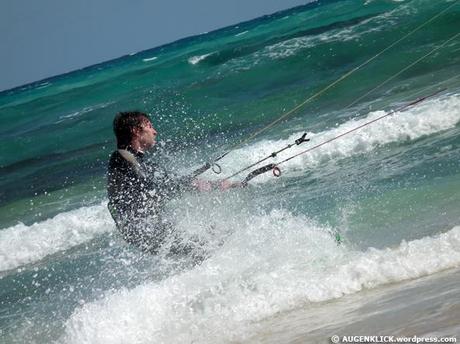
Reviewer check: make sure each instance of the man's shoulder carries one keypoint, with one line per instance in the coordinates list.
(117, 162)
(115, 155)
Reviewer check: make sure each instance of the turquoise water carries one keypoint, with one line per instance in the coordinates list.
(393, 186)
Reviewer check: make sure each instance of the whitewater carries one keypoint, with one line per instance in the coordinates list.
(275, 270)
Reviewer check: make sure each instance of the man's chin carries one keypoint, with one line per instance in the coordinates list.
(146, 147)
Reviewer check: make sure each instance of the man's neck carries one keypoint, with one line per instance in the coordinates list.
(136, 152)
(136, 147)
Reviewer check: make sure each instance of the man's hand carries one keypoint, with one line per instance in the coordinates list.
(226, 184)
(202, 185)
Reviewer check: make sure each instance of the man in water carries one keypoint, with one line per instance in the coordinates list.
(138, 191)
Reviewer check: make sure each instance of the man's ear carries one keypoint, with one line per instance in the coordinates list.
(135, 132)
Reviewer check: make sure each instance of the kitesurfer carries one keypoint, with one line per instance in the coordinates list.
(137, 190)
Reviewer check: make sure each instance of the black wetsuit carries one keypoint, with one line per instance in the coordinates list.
(137, 197)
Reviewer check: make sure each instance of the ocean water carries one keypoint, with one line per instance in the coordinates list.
(275, 271)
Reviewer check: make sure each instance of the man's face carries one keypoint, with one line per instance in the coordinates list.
(146, 135)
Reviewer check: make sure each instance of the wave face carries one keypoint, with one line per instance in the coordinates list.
(390, 190)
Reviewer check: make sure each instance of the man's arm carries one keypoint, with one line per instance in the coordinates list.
(204, 185)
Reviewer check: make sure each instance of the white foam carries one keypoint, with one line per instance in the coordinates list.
(23, 244)
(195, 59)
(241, 33)
(273, 263)
(427, 118)
(150, 59)
(85, 110)
(44, 85)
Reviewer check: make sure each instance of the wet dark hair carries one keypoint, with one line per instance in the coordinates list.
(123, 125)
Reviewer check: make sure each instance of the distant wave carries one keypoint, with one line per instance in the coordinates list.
(196, 59)
(291, 45)
(83, 111)
(150, 59)
(241, 33)
(43, 85)
(277, 45)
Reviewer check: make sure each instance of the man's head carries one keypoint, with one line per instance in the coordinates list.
(134, 129)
